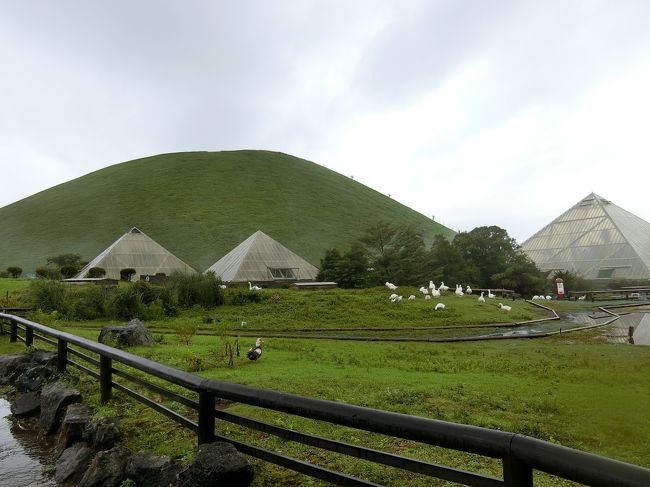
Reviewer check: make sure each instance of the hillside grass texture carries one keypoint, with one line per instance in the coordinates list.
(199, 206)
(577, 390)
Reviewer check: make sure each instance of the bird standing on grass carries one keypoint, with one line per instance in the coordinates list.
(255, 352)
(505, 308)
(440, 306)
(253, 288)
(481, 299)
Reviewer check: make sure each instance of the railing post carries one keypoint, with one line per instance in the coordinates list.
(14, 332)
(61, 355)
(29, 336)
(206, 417)
(516, 473)
(105, 378)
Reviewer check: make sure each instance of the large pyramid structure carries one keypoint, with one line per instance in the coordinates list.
(261, 259)
(595, 239)
(137, 251)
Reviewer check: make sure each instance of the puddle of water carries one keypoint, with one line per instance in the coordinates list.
(22, 454)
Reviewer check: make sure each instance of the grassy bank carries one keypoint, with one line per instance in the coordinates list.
(574, 390)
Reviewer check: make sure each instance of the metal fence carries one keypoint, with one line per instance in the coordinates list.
(520, 454)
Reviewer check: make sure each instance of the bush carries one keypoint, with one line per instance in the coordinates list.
(125, 303)
(127, 274)
(196, 289)
(96, 272)
(48, 273)
(69, 271)
(49, 296)
(246, 296)
(14, 271)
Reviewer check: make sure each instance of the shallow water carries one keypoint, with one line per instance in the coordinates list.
(22, 454)
(620, 329)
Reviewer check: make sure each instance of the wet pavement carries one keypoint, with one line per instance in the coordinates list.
(22, 454)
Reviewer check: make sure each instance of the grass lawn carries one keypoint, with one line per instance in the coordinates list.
(575, 390)
(11, 291)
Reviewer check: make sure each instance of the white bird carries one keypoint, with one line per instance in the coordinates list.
(548, 298)
(427, 297)
(222, 286)
(255, 352)
(435, 293)
(424, 290)
(481, 299)
(442, 286)
(582, 298)
(468, 290)
(504, 307)
(490, 295)
(253, 288)
(391, 286)
(440, 306)
(536, 297)
(396, 299)
(411, 297)
(392, 297)
(432, 286)
(459, 291)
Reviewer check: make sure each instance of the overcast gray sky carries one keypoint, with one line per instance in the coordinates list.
(479, 112)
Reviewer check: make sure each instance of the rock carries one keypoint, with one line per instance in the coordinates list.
(10, 364)
(103, 433)
(107, 469)
(41, 357)
(26, 405)
(216, 464)
(73, 463)
(33, 378)
(132, 334)
(77, 417)
(54, 398)
(145, 468)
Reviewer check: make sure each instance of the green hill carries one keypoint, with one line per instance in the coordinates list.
(199, 205)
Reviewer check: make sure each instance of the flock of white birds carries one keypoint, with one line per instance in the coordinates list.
(432, 292)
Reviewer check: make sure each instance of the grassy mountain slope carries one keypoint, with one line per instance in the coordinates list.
(199, 205)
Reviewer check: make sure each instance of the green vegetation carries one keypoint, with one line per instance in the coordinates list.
(199, 206)
(12, 292)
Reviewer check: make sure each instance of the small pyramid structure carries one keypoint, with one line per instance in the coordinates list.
(138, 251)
(260, 259)
(595, 239)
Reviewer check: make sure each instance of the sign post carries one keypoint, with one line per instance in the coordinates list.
(560, 288)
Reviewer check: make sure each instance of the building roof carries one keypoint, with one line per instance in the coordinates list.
(595, 239)
(259, 258)
(136, 250)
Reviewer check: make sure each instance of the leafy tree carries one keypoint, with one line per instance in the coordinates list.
(354, 268)
(48, 273)
(68, 271)
(490, 250)
(522, 275)
(65, 259)
(330, 266)
(96, 272)
(14, 271)
(444, 262)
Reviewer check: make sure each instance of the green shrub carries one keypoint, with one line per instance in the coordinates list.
(69, 271)
(14, 271)
(125, 303)
(89, 303)
(47, 273)
(49, 296)
(196, 289)
(186, 331)
(96, 272)
(127, 274)
(246, 296)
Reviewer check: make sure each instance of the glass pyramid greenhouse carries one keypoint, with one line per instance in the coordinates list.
(137, 251)
(595, 239)
(259, 258)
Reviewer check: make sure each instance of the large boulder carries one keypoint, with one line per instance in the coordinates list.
(33, 378)
(11, 366)
(26, 405)
(134, 333)
(217, 464)
(108, 469)
(103, 433)
(145, 468)
(42, 357)
(73, 463)
(77, 417)
(54, 399)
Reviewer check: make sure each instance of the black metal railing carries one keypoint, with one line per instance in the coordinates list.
(519, 454)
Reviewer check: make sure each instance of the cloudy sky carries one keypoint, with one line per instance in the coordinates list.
(479, 112)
